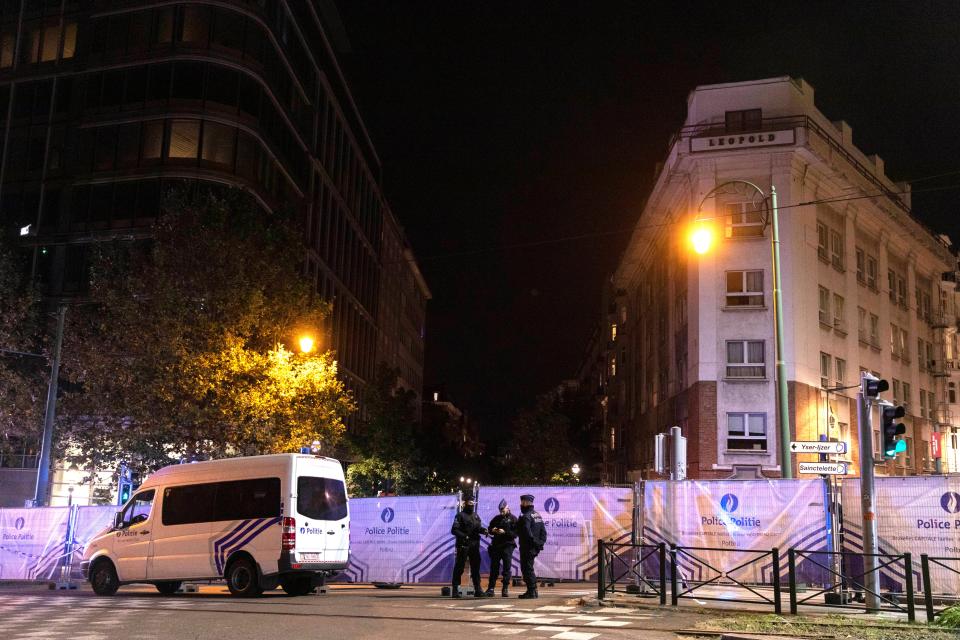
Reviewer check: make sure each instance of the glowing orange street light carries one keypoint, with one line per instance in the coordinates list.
(306, 344)
(701, 238)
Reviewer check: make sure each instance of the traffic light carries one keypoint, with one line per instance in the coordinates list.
(124, 484)
(873, 386)
(890, 429)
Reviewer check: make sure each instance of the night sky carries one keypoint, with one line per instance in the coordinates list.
(506, 123)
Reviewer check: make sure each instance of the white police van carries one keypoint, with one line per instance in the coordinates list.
(256, 522)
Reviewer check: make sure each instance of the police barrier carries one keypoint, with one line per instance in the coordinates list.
(730, 521)
(918, 515)
(33, 542)
(407, 539)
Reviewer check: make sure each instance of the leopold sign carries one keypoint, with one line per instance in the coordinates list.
(742, 140)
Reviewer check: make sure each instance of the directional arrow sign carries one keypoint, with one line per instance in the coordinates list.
(818, 447)
(824, 468)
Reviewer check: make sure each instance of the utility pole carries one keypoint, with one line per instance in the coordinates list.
(871, 576)
(40, 496)
(783, 407)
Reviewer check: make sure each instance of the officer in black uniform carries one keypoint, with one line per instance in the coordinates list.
(503, 528)
(533, 535)
(467, 529)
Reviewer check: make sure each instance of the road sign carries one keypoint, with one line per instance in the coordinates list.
(818, 447)
(824, 468)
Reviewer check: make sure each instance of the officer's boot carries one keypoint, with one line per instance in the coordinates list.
(455, 591)
(505, 592)
(478, 591)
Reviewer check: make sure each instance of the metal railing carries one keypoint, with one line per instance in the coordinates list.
(725, 576)
(624, 563)
(928, 595)
(846, 580)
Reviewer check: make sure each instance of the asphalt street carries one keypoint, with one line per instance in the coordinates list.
(343, 612)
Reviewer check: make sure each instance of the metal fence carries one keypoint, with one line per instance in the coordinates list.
(643, 569)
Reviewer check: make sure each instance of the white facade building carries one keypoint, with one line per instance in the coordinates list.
(865, 286)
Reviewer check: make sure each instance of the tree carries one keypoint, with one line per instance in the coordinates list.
(540, 450)
(23, 380)
(179, 351)
(392, 450)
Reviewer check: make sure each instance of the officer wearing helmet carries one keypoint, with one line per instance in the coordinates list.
(467, 529)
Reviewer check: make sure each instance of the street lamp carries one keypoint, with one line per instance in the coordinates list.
(575, 469)
(306, 344)
(701, 238)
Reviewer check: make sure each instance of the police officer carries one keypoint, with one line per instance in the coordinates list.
(533, 535)
(467, 529)
(503, 528)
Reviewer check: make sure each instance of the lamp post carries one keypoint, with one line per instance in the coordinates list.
(575, 470)
(701, 238)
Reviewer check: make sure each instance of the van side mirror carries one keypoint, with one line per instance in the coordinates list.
(118, 520)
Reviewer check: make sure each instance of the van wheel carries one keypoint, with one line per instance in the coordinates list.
(168, 588)
(297, 585)
(242, 578)
(103, 578)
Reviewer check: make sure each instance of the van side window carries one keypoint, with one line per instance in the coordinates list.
(190, 504)
(213, 501)
(139, 508)
(321, 498)
(244, 499)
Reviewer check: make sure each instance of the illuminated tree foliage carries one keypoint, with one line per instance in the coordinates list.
(23, 380)
(185, 347)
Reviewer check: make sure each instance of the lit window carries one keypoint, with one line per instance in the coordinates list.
(218, 144)
(184, 136)
(7, 42)
(613, 332)
(152, 139)
(744, 288)
(69, 47)
(613, 366)
(747, 431)
(51, 41)
(745, 359)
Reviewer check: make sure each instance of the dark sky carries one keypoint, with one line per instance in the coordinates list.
(503, 123)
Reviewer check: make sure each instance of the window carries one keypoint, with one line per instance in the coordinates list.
(823, 240)
(196, 24)
(841, 371)
(836, 249)
(613, 366)
(745, 359)
(825, 370)
(744, 288)
(896, 390)
(747, 431)
(862, 324)
(838, 320)
(152, 140)
(901, 292)
(743, 120)
(743, 220)
(861, 266)
(923, 403)
(321, 498)
(184, 136)
(244, 499)
(872, 272)
(907, 393)
(952, 392)
(613, 332)
(892, 285)
(903, 341)
(895, 340)
(824, 306)
(8, 40)
(188, 504)
(138, 509)
(874, 330)
(218, 144)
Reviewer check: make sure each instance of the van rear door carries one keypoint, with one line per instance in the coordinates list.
(323, 532)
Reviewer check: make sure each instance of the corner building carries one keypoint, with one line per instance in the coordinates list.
(105, 105)
(866, 286)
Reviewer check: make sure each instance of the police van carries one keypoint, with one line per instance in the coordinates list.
(255, 522)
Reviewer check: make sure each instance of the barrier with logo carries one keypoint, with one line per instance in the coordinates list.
(918, 515)
(730, 521)
(407, 539)
(33, 542)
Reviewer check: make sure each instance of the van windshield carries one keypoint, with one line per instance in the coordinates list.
(321, 498)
